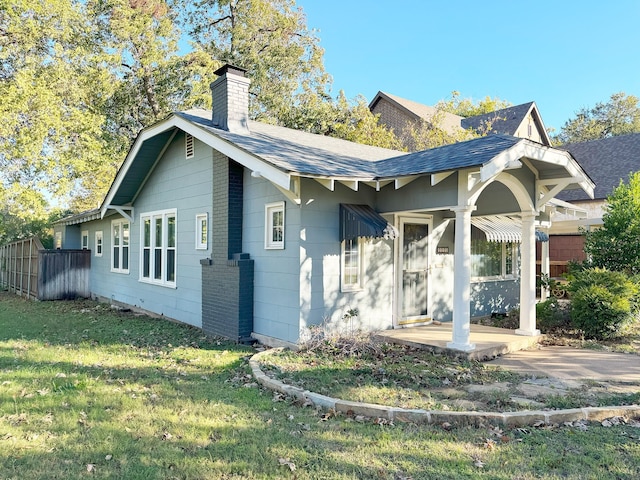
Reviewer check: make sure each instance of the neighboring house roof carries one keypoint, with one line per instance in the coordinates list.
(416, 110)
(607, 160)
(506, 121)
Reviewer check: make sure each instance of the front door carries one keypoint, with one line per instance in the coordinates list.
(413, 260)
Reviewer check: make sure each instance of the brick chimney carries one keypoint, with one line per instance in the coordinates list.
(230, 95)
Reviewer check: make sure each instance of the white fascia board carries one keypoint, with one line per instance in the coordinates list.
(268, 171)
(528, 149)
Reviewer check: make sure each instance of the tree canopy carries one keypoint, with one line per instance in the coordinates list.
(81, 78)
(619, 116)
(616, 246)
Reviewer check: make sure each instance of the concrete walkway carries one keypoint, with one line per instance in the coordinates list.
(573, 364)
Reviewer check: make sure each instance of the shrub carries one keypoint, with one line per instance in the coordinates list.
(602, 302)
(552, 315)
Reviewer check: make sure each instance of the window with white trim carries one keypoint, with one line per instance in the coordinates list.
(189, 150)
(85, 240)
(120, 246)
(158, 255)
(58, 241)
(274, 226)
(98, 250)
(202, 231)
(492, 260)
(351, 265)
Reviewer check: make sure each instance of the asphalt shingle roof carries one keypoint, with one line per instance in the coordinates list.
(606, 161)
(505, 121)
(309, 154)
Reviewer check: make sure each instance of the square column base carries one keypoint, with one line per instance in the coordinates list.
(463, 347)
(527, 333)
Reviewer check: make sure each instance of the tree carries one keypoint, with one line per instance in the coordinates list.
(79, 79)
(616, 246)
(51, 121)
(619, 116)
(440, 129)
(270, 39)
(466, 107)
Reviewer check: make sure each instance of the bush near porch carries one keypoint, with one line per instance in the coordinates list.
(603, 305)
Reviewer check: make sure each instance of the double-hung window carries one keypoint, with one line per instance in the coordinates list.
(492, 260)
(158, 252)
(98, 251)
(351, 265)
(85, 240)
(120, 246)
(274, 226)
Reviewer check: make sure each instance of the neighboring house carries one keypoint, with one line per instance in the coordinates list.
(609, 161)
(248, 229)
(398, 114)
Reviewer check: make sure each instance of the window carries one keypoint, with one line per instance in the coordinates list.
(201, 231)
(188, 146)
(351, 271)
(158, 253)
(120, 246)
(274, 226)
(58, 240)
(492, 259)
(85, 240)
(98, 251)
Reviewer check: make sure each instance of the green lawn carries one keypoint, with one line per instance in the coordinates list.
(89, 392)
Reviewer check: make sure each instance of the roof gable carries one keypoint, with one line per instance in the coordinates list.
(509, 121)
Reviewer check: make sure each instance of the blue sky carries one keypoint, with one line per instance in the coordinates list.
(562, 54)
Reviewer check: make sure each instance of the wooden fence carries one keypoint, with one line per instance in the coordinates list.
(19, 267)
(27, 269)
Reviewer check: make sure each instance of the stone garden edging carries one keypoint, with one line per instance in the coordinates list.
(438, 417)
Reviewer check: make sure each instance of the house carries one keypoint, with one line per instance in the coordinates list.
(252, 230)
(398, 114)
(610, 161)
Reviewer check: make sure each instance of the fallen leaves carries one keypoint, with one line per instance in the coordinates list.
(288, 463)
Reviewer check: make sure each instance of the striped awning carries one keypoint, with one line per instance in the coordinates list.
(502, 228)
(363, 221)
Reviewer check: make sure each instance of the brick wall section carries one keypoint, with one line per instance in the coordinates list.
(566, 247)
(394, 118)
(227, 277)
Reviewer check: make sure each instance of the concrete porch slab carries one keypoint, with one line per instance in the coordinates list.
(490, 342)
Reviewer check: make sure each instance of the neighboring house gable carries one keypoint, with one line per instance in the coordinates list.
(397, 113)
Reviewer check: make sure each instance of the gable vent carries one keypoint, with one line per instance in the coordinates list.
(188, 144)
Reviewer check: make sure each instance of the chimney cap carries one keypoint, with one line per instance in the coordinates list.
(228, 68)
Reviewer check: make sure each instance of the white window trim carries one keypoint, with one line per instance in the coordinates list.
(200, 245)
(99, 239)
(58, 240)
(121, 222)
(352, 287)
(151, 215)
(84, 236)
(504, 275)
(269, 210)
(189, 146)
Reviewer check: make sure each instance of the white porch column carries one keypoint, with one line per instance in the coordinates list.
(528, 277)
(544, 267)
(462, 281)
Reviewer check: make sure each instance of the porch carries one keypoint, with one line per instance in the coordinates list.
(489, 341)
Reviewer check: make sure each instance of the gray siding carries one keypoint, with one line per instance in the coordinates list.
(320, 262)
(176, 182)
(276, 272)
